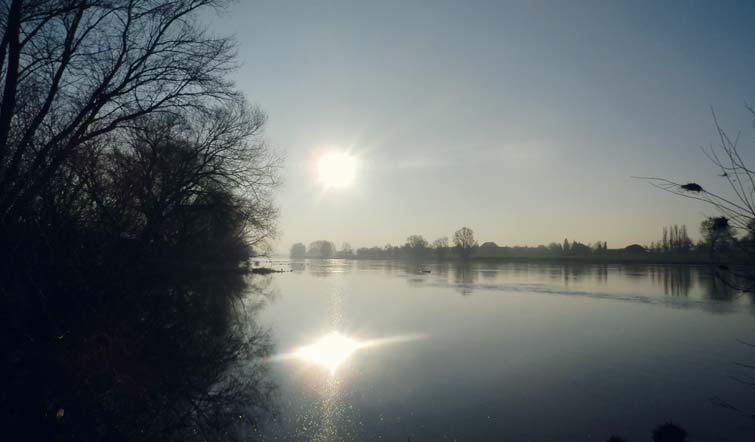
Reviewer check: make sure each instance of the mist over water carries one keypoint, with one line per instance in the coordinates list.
(511, 351)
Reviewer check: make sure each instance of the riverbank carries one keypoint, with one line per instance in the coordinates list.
(599, 259)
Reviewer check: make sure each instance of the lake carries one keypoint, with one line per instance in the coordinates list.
(507, 351)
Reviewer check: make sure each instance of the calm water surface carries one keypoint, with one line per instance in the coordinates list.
(520, 352)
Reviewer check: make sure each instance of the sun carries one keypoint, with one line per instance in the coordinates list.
(337, 170)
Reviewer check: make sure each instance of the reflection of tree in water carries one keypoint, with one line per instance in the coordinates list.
(169, 356)
(363, 264)
(298, 266)
(488, 274)
(675, 280)
(678, 280)
(442, 269)
(387, 266)
(320, 268)
(465, 278)
(716, 286)
(390, 267)
(554, 272)
(601, 274)
(636, 272)
(574, 273)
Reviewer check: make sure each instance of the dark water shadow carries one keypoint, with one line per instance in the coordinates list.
(168, 355)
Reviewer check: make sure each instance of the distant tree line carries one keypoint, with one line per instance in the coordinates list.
(462, 246)
(717, 239)
(673, 240)
(416, 246)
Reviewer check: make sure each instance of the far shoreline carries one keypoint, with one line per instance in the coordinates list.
(655, 260)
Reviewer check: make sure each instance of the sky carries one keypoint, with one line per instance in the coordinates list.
(524, 121)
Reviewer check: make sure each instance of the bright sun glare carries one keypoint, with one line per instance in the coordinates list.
(330, 351)
(337, 170)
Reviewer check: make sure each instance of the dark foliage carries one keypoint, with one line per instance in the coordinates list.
(669, 432)
(133, 190)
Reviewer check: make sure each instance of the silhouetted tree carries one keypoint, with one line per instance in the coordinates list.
(74, 73)
(363, 253)
(488, 250)
(674, 239)
(130, 169)
(167, 169)
(416, 246)
(555, 249)
(685, 243)
(464, 242)
(416, 242)
(375, 252)
(321, 249)
(737, 206)
(298, 251)
(579, 249)
(717, 235)
(440, 246)
(346, 250)
(635, 249)
(747, 242)
(664, 240)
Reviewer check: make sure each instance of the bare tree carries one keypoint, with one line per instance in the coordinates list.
(717, 235)
(441, 243)
(464, 242)
(440, 246)
(129, 165)
(739, 206)
(321, 249)
(73, 71)
(346, 250)
(168, 166)
(416, 242)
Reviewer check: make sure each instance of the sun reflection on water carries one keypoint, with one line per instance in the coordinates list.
(330, 351)
(325, 418)
(334, 349)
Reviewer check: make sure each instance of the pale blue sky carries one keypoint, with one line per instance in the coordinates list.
(521, 120)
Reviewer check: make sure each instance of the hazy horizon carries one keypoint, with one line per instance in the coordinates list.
(522, 120)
